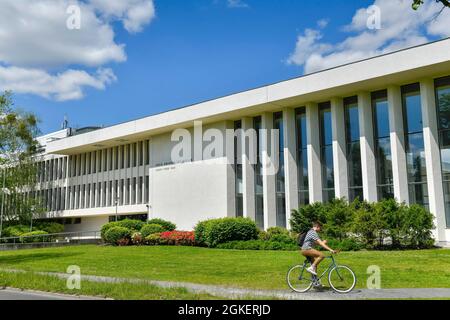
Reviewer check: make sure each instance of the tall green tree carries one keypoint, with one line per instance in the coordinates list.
(18, 146)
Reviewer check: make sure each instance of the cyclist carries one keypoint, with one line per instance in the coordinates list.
(307, 249)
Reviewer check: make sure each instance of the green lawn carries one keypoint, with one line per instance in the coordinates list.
(120, 291)
(234, 268)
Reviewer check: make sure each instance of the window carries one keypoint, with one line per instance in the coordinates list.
(141, 153)
(135, 159)
(146, 190)
(259, 194)
(351, 116)
(237, 165)
(443, 114)
(326, 147)
(280, 177)
(415, 153)
(147, 150)
(302, 157)
(383, 156)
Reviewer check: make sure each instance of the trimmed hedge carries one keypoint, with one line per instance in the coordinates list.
(135, 225)
(167, 225)
(106, 227)
(258, 245)
(215, 231)
(34, 236)
(117, 235)
(152, 228)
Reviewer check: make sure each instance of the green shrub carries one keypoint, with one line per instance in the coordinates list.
(263, 235)
(133, 225)
(149, 229)
(117, 235)
(416, 227)
(369, 224)
(303, 218)
(167, 225)
(283, 238)
(153, 239)
(257, 245)
(50, 227)
(33, 236)
(348, 244)
(15, 230)
(200, 232)
(392, 215)
(338, 219)
(106, 227)
(213, 232)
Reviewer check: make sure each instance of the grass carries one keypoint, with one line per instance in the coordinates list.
(120, 291)
(233, 268)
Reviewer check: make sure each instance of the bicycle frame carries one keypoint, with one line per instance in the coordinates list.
(328, 269)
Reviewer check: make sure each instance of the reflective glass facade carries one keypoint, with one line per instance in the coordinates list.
(353, 148)
(443, 118)
(326, 154)
(238, 173)
(302, 156)
(280, 177)
(380, 112)
(259, 194)
(414, 145)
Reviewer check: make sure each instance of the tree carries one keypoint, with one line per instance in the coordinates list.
(417, 3)
(18, 146)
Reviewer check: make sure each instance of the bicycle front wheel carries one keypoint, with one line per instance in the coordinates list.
(299, 279)
(342, 279)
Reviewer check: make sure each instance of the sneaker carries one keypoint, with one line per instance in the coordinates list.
(311, 270)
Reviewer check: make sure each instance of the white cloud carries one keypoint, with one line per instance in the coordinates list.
(401, 27)
(67, 85)
(237, 4)
(35, 40)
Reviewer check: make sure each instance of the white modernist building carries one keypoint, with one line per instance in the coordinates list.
(372, 129)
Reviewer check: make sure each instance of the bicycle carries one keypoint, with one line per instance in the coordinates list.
(341, 278)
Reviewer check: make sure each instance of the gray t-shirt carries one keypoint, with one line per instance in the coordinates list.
(310, 239)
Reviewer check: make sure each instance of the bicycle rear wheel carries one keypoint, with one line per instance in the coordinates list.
(298, 279)
(342, 279)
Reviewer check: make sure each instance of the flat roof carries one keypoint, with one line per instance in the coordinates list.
(396, 68)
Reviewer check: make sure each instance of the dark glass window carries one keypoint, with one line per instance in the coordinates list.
(415, 153)
(239, 198)
(353, 149)
(380, 109)
(259, 195)
(443, 114)
(280, 177)
(326, 146)
(302, 157)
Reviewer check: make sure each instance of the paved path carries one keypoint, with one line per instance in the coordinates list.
(238, 293)
(17, 294)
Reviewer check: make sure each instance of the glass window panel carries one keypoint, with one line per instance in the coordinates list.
(381, 113)
(415, 158)
(413, 112)
(354, 165)
(352, 122)
(384, 161)
(328, 170)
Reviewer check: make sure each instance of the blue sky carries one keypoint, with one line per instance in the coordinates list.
(196, 50)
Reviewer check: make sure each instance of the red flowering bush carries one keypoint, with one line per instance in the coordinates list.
(177, 238)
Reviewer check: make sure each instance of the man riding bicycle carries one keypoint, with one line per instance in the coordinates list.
(307, 249)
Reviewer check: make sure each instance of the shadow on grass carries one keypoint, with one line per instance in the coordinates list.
(32, 257)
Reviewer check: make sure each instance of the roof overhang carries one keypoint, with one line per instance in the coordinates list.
(398, 68)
